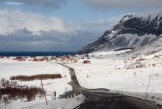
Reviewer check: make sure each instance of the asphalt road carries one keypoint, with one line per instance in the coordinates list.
(118, 102)
(106, 101)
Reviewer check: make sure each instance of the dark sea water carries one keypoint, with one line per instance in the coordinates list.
(35, 53)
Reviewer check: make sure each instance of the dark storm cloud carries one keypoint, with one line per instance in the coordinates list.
(46, 3)
(24, 40)
(33, 32)
(112, 4)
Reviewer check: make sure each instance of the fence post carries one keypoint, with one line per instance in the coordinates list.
(148, 86)
(44, 92)
(54, 95)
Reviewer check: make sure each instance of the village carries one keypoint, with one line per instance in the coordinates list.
(63, 59)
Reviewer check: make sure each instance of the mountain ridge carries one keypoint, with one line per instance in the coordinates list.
(132, 31)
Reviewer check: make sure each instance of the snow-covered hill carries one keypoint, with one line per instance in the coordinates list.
(134, 72)
(151, 48)
(132, 31)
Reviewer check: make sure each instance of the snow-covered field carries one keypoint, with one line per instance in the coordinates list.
(139, 76)
(10, 68)
(136, 75)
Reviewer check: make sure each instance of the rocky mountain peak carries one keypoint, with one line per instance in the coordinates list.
(132, 31)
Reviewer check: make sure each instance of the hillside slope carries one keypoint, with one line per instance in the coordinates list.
(132, 31)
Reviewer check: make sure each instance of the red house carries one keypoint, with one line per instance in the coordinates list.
(86, 62)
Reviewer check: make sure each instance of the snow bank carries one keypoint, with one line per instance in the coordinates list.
(69, 103)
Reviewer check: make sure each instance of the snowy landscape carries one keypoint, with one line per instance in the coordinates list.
(126, 72)
(93, 54)
(10, 67)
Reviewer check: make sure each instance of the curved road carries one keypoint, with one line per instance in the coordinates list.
(120, 102)
(98, 100)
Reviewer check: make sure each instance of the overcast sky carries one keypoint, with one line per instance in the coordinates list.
(62, 25)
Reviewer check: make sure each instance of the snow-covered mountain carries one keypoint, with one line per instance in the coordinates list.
(132, 31)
